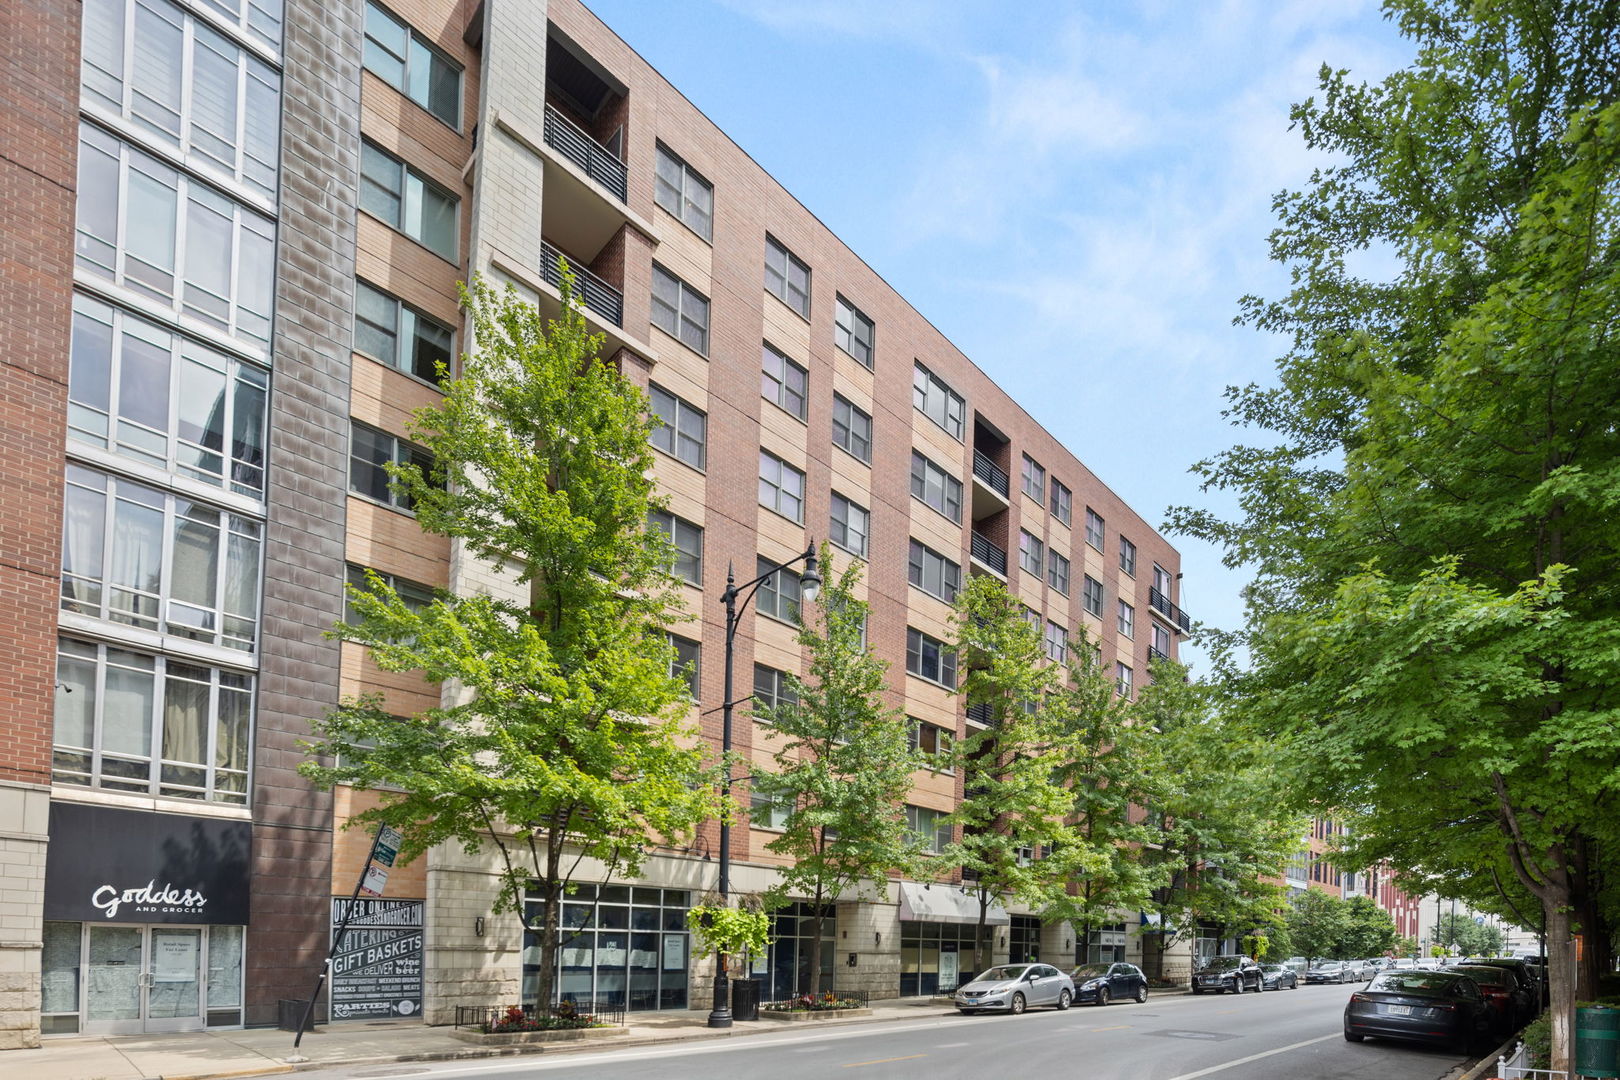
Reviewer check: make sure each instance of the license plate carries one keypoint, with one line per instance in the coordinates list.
(1398, 1010)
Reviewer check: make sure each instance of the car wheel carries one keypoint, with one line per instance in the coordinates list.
(968, 1012)
(1017, 1004)
(1141, 994)
(1063, 1000)
(1352, 1037)
(1237, 986)
(1102, 995)
(1198, 990)
(1260, 986)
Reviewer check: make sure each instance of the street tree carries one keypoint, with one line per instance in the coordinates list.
(842, 764)
(1017, 843)
(1316, 923)
(1369, 930)
(1467, 937)
(1432, 513)
(562, 739)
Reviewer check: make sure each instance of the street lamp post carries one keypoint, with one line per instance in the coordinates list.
(809, 588)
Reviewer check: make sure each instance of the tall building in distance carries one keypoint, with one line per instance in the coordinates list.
(234, 234)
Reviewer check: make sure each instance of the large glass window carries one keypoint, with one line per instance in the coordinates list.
(852, 429)
(935, 958)
(1127, 556)
(684, 430)
(1127, 619)
(1057, 571)
(854, 332)
(1057, 643)
(930, 658)
(934, 398)
(781, 487)
(1095, 527)
(687, 540)
(404, 199)
(148, 394)
(932, 742)
(783, 382)
(1091, 596)
(780, 594)
(187, 85)
(135, 555)
(392, 331)
(767, 813)
(152, 229)
(131, 721)
(627, 946)
(929, 829)
(1062, 501)
(404, 59)
(1031, 554)
(772, 688)
(678, 188)
(933, 573)
(687, 663)
(1034, 479)
(371, 452)
(786, 276)
(851, 526)
(413, 595)
(680, 310)
(936, 487)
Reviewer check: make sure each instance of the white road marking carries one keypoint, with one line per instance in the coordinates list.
(1252, 1057)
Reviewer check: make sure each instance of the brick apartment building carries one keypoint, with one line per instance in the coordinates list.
(232, 235)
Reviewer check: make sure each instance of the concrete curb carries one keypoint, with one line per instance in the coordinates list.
(1485, 1067)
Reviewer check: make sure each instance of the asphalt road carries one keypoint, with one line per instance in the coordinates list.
(1279, 1034)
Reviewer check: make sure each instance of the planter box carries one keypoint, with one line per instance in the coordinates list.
(522, 1038)
(811, 1014)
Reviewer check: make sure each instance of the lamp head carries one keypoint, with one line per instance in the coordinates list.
(810, 583)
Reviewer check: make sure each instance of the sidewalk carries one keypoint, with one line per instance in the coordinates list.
(263, 1051)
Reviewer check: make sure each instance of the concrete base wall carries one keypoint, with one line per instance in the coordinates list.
(24, 816)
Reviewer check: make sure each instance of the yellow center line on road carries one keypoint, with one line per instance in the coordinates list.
(882, 1061)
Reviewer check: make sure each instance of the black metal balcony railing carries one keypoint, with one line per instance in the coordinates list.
(990, 473)
(988, 554)
(981, 713)
(593, 159)
(1161, 603)
(597, 294)
(1156, 653)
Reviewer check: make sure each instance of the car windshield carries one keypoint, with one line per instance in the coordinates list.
(1329, 965)
(1004, 973)
(1272, 969)
(1090, 971)
(1398, 982)
(1222, 963)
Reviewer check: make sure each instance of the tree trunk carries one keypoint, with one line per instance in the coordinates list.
(551, 892)
(1560, 969)
(816, 918)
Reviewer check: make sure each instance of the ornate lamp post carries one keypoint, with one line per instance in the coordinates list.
(809, 588)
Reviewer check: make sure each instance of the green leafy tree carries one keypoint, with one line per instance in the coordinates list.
(1369, 930)
(1434, 512)
(1017, 843)
(842, 763)
(1316, 922)
(1461, 934)
(565, 738)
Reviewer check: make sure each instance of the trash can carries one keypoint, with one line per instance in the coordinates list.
(745, 999)
(1597, 1042)
(290, 1011)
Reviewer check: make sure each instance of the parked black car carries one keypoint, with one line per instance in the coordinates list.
(1220, 974)
(1102, 983)
(1444, 1007)
(1508, 996)
(1525, 972)
(1279, 977)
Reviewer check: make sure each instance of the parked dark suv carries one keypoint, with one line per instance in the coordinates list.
(1220, 974)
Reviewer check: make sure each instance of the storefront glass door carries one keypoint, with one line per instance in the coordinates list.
(143, 978)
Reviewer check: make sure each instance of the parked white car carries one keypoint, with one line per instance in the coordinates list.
(1012, 988)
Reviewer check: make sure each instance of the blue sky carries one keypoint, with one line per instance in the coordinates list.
(1076, 194)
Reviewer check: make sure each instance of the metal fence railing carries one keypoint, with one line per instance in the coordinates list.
(827, 999)
(594, 160)
(987, 553)
(493, 1017)
(990, 473)
(597, 294)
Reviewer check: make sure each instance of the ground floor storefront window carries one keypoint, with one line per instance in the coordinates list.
(785, 968)
(618, 944)
(130, 979)
(935, 957)
(1104, 945)
(1024, 939)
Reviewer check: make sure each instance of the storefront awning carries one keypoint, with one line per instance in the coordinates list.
(947, 904)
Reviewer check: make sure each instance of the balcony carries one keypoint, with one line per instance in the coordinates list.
(1167, 611)
(591, 157)
(987, 554)
(1155, 653)
(981, 714)
(990, 487)
(596, 294)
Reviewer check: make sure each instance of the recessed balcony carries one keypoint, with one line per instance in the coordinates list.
(1161, 606)
(988, 555)
(990, 486)
(596, 294)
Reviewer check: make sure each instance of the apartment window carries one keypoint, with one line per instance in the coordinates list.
(772, 688)
(224, 273)
(1057, 572)
(929, 658)
(1127, 619)
(1123, 678)
(1062, 501)
(371, 452)
(780, 594)
(1162, 581)
(1127, 556)
(687, 540)
(767, 813)
(685, 194)
(1034, 478)
(131, 721)
(1031, 554)
(404, 199)
(403, 59)
(937, 401)
(687, 663)
(1057, 643)
(392, 331)
(786, 277)
(153, 396)
(1160, 640)
(782, 382)
(186, 85)
(684, 432)
(135, 555)
(781, 487)
(932, 742)
(930, 829)
(854, 332)
(851, 527)
(413, 595)
(852, 429)
(680, 310)
(1091, 596)
(936, 487)
(1094, 528)
(933, 573)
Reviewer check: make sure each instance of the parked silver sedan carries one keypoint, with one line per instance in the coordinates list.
(1014, 987)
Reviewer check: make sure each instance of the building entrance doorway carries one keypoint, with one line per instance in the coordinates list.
(142, 979)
